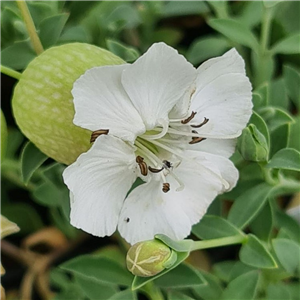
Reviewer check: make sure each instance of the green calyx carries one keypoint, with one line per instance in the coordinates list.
(43, 103)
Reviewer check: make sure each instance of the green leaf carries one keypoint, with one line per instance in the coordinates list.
(99, 269)
(291, 79)
(184, 276)
(235, 31)
(243, 287)
(249, 204)
(18, 55)
(138, 282)
(93, 290)
(24, 215)
(254, 253)
(251, 15)
(287, 159)
(213, 227)
(279, 138)
(3, 136)
(51, 29)
(169, 36)
(278, 291)
(288, 45)
(262, 224)
(123, 295)
(239, 269)
(172, 295)
(288, 253)
(206, 47)
(278, 94)
(294, 141)
(129, 54)
(31, 159)
(210, 291)
(182, 8)
(223, 269)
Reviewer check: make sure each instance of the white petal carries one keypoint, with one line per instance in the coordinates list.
(157, 81)
(219, 165)
(222, 147)
(99, 181)
(101, 103)
(148, 211)
(223, 95)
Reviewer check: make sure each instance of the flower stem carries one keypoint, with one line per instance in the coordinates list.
(235, 239)
(37, 45)
(152, 292)
(10, 72)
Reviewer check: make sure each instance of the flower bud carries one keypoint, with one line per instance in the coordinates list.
(43, 103)
(253, 145)
(149, 258)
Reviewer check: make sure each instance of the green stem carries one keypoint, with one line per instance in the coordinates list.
(152, 291)
(10, 72)
(37, 45)
(265, 32)
(231, 240)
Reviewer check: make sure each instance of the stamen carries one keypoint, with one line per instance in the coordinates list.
(193, 134)
(142, 165)
(166, 187)
(167, 164)
(97, 133)
(200, 125)
(191, 117)
(163, 132)
(196, 140)
(153, 170)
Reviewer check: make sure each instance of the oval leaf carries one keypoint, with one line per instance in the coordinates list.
(287, 159)
(254, 253)
(289, 45)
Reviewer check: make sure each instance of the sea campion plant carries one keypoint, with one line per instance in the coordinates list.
(175, 153)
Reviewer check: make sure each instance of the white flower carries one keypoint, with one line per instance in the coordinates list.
(162, 120)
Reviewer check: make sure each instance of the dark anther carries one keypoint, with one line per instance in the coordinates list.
(153, 170)
(194, 131)
(97, 133)
(167, 164)
(185, 121)
(166, 187)
(127, 220)
(142, 165)
(200, 125)
(196, 140)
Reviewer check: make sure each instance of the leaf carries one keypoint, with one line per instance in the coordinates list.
(3, 136)
(251, 15)
(123, 295)
(262, 224)
(288, 45)
(213, 227)
(138, 282)
(169, 36)
(129, 54)
(243, 287)
(99, 269)
(182, 8)
(288, 253)
(287, 159)
(18, 55)
(206, 47)
(295, 134)
(249, 204)
(172, 295)
(24, 215)
(51, 29)
(239, 269)
(223, 269)
(278, 291)
(254, 253)
(278, 94)
(184, 276)
(93, 290)
(279, 138)
(210, 291)
(291, 79)
(235, 31)
(31, 159)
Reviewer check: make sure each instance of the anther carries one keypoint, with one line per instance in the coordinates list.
(153, 170)
(142, 165)
(167, 164)
(185, 121)
(196, 140)
(166, 187)
(200, 125)
(97, 133)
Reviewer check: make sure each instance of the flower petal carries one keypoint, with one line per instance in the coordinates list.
(102, 103)
(148, 211)
(222, 147)
(223, 95)
(99, 181)
(157, 81)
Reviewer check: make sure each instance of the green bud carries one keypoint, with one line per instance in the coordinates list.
(149, 258)
(253, 145)
(42, 102)
(3, 136)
